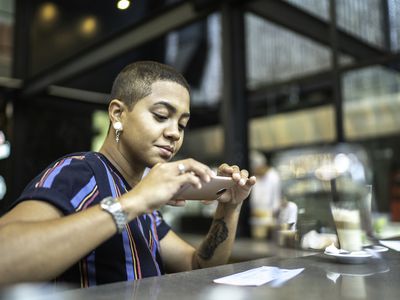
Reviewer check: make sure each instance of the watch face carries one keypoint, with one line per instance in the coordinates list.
(108, 201)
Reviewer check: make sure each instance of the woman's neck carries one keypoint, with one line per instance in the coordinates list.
(122, 164)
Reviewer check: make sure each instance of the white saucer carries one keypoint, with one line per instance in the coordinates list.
(356, 257)
(377, 248)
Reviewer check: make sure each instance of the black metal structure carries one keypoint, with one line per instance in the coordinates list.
(234, 112)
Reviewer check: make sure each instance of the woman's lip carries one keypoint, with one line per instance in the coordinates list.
(165, 152)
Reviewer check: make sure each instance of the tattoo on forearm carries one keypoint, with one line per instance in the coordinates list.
(218, 234)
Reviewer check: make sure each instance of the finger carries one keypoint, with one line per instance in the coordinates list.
(225, 169)
(247, 183)
(244, 173)
(236, 175)
(190, 178)
(251, 181)
(199, 169)
(235, 168)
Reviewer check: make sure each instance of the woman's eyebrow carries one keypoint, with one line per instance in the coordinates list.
(171, 108)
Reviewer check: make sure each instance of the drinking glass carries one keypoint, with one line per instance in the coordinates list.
(329, 186)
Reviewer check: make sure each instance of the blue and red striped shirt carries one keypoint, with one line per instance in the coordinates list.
(80, 180)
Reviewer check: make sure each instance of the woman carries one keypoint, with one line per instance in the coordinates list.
(91, 218)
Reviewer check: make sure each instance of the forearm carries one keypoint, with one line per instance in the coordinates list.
(41, 250)
(217, 246)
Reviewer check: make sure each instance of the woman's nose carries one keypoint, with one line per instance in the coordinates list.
(173, 132)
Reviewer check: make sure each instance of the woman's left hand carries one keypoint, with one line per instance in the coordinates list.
(235, 195)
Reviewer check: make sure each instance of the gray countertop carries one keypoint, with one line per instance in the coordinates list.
(323, 278)
(245, 249)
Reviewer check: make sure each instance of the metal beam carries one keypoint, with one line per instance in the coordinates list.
(336, 76)
(21, 37)
(234, 106)
(171, 19)
(78, 94)
(297, 20)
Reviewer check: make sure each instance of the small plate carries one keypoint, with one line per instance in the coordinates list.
(377, 248)
(357, 257)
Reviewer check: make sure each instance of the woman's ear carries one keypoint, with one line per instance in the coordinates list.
(115, 110)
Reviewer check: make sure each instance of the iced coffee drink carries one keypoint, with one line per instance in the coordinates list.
(348, 227)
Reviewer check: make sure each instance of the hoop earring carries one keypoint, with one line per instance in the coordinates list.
(118, 129)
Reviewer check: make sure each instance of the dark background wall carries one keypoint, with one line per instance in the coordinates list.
(42, 131)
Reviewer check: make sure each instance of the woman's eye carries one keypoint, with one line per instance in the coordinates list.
(182, 127)
(160, 117)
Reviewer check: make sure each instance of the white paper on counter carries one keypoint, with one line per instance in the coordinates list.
(395, 245)
(259, 276)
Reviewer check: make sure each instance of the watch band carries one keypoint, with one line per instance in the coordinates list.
(114, 208)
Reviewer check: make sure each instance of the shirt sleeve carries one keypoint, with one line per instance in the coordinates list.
(64, 184)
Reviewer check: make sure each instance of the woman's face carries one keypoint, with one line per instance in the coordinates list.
(153, 130)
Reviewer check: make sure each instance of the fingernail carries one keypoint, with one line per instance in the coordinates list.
(242, 181)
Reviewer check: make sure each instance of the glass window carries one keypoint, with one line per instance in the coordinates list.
(362, 18)
(308, 126)
(318, 8)
(6, 36)
(304, 127)
(371, 102)
(371, 118)
(394, 12)
(271, 60)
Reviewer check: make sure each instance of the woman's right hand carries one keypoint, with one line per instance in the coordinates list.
(162, 182)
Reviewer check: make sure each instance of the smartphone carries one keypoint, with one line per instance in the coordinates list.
(209, 190)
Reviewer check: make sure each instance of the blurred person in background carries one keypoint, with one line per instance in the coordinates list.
(265, 198)
(286, 214)
(286, 219)
(92, 217)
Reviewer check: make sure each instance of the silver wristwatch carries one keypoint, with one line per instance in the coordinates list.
(114, 208)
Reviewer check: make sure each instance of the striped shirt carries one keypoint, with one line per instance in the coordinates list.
(80, 180)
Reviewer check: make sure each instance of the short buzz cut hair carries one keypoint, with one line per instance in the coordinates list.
(134, 81)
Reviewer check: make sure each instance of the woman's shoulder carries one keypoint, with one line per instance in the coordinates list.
(77, 157)
(70, 162)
